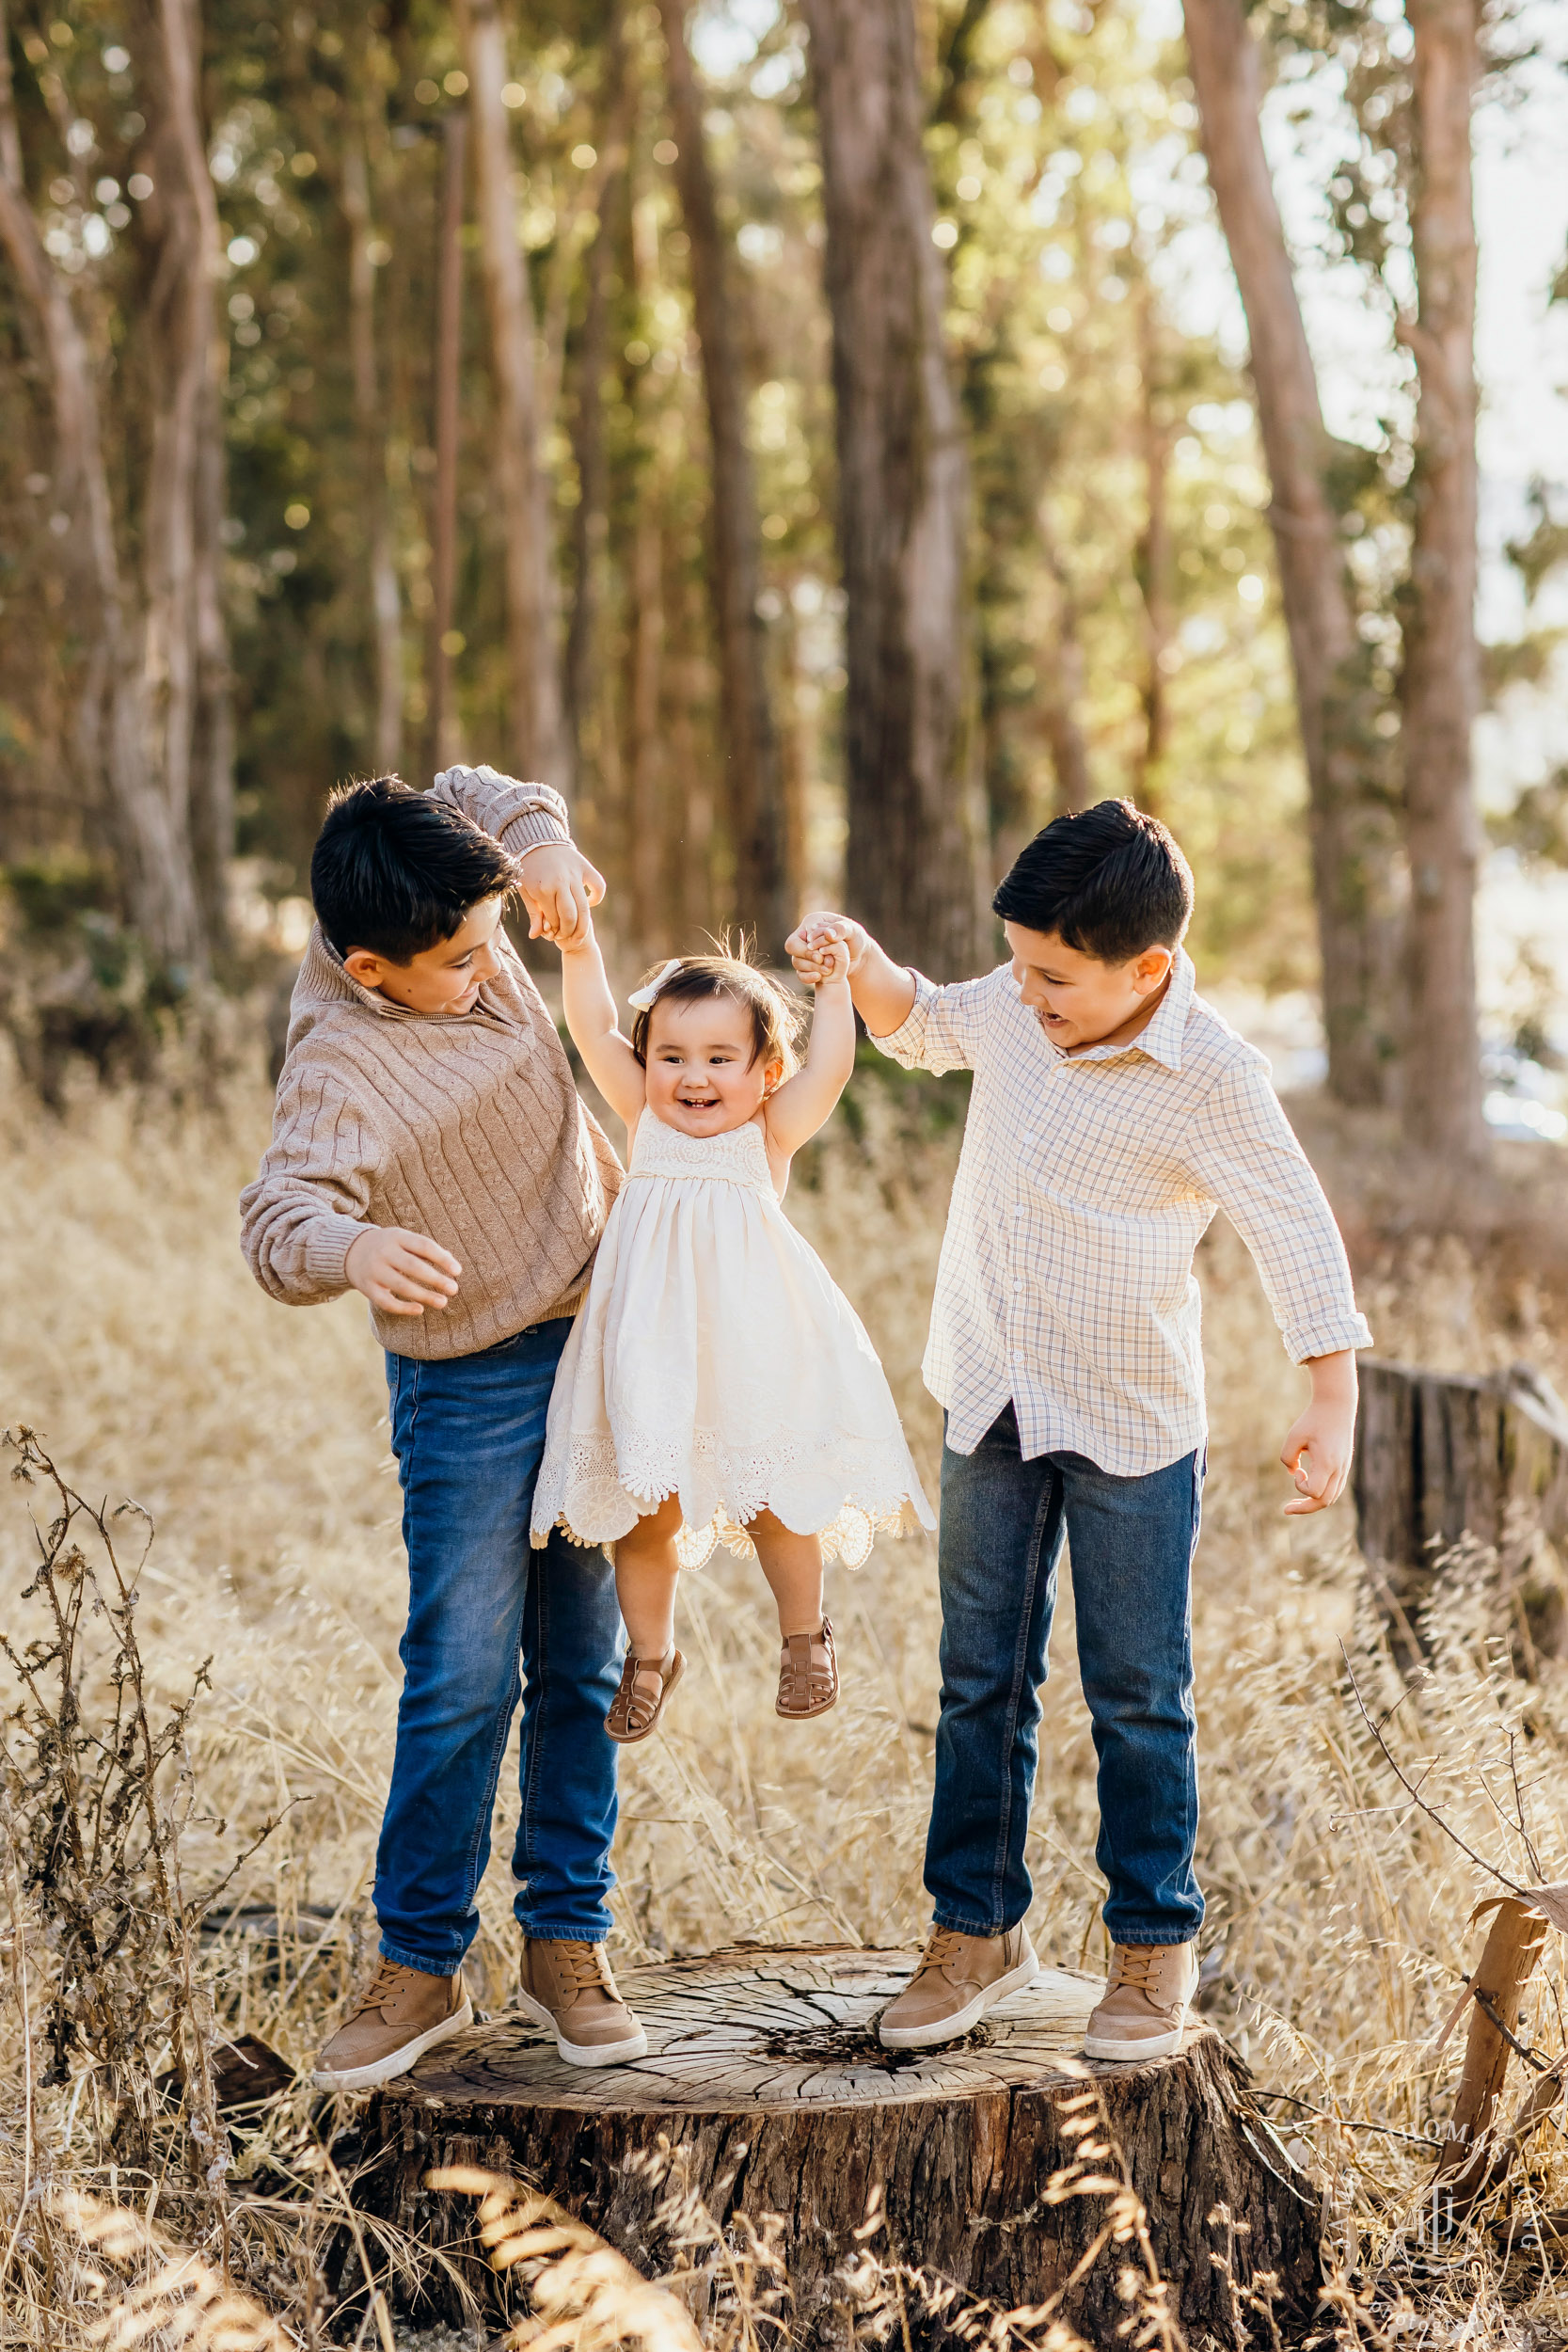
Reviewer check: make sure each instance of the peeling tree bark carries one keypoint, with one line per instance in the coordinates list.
(754, 781)
(1151, 562)
(1352, 824)
(385, 607)
(184, 652)
(1443, 1091)
(441, 714)
(153, 851)
(585, 718)
(537, 735)
(903, 494)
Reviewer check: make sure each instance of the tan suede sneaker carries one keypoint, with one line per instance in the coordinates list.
(399, 2015)
(1143, 2011)
(959, 1978)
(569, 1988)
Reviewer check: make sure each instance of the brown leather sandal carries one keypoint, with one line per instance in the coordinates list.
(808, 1674)
(637, 1706)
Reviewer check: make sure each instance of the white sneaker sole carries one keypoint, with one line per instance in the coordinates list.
(954, 2028)
(1159, 2046)
(397, 2061)
(585, 2052)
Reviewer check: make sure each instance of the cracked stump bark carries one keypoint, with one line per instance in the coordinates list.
(765, 2064)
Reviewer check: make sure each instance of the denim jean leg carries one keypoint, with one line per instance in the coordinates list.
(572, 1648)
(1131, 1542)
(997, 1551)
(469, 1433)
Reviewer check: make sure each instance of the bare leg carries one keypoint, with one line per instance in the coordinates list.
(793, 1565)
(645, 1574)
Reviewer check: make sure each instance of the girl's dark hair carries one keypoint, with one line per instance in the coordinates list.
(396, 871)
(777, 1017)
(1109, 880)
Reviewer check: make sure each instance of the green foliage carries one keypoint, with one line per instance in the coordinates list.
(1121, 561)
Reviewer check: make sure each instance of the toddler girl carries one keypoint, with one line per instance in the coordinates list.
(716, 1386)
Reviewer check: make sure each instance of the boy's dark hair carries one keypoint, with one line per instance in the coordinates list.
(776, 1016)
(396, 871)
(1108, 880)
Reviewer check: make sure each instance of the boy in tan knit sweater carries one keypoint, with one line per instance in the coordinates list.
(429, 1149)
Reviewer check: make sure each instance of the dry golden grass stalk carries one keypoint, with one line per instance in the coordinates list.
(585, 2294)
(163, 2297)
(1334, 1947)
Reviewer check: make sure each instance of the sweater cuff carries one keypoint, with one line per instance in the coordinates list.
(535, 829)
(1328, 1337)
(327, 1243)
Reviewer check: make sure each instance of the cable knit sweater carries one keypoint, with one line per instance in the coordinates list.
(464, 1127)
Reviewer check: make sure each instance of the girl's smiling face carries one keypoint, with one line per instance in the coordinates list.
(704, 1073)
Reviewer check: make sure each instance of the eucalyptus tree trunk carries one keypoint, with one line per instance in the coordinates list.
(522, 489)
(586, 727)
(184, 650)
(1151, 562)
(1060, 668)
(903, 497)
(755, 780)
(441, 737)
(1354, 831)
(153, 853)
(1442, 1103)
(369, 417)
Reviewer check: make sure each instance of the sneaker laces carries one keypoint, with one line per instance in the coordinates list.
(381, 1985)
(1134, 1968)
(943, 1944)
(586, 1966)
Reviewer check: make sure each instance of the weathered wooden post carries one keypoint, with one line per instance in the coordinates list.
(1444, 1456)
(764, 2066)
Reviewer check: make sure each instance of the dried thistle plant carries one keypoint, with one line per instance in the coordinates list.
(95, 1788)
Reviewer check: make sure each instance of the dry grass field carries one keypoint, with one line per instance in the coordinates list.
(132, 1336)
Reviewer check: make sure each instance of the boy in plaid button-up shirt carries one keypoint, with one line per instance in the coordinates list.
(1113, 1112)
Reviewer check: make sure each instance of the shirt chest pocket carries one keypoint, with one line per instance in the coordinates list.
(1101, 1147)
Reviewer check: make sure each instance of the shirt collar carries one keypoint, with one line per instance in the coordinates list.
(1162, 1040)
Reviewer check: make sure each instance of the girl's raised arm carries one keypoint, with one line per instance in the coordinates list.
(592, 1017)
(802, 1105)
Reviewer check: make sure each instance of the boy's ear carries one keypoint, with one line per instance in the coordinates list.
(368, 969)
(1151, 969)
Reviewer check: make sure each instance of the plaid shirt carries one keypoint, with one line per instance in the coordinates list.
(1085, 1184)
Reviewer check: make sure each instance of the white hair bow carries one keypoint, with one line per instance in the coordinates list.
(641, 998)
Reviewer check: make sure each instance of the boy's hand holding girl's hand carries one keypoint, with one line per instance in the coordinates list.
(813, 947)
(827, 962)
(559, 886)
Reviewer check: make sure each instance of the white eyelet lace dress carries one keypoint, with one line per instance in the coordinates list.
(715, 1358)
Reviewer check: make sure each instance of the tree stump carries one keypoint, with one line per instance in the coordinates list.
(764, 2065)
(1440, 1456)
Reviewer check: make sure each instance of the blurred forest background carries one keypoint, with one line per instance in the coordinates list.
(825, 438)
(783, 429)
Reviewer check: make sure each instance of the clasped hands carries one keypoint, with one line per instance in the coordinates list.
(824, 947)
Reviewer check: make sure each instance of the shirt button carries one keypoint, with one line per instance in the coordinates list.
(1029, 1139)
(1017, 1287)
(1018, 1208)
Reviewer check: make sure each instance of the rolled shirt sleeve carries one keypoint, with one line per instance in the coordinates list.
(944, 1027)
(1241, 1150)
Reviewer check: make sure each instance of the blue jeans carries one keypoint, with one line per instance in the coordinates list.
(1132, 1543)
(469, 1434)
